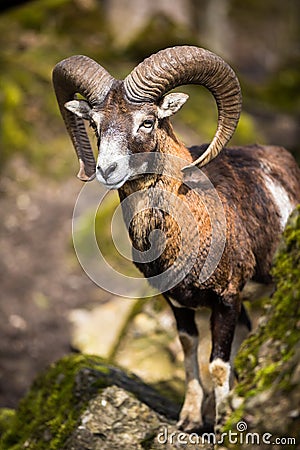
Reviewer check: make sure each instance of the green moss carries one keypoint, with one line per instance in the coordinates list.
(281, 328)
(234, 418)
(50, 411)
(6, 419)
(269, 356)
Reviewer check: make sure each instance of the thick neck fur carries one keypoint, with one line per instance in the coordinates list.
(149, 206)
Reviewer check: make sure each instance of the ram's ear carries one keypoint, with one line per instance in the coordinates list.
(171, 103)
(79, 107)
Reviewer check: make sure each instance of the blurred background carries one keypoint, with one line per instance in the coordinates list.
(48, 305)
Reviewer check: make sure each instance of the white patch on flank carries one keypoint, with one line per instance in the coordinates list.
(281, 200)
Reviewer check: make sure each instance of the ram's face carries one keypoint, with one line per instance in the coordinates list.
(124, 129)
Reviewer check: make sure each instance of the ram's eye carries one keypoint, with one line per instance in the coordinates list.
(148, 124)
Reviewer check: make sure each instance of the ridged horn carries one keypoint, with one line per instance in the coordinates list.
(82, 75)
(175, 66)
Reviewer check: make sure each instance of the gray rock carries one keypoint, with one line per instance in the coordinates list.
(81, 402)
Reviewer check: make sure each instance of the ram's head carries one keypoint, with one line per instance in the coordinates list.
(131, 116)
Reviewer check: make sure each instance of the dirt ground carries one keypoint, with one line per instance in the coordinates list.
(41, 280)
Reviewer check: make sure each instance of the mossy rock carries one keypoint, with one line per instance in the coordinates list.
(75, 399)
(267, 396)
(6, 419)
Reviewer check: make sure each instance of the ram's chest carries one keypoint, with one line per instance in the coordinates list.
(167, 232)
(156, 240)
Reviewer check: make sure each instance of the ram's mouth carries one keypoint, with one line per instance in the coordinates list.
(114, 184)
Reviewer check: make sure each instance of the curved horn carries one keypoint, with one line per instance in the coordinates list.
(80, 74)
(175, 66)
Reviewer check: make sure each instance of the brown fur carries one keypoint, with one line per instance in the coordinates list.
(253, 226)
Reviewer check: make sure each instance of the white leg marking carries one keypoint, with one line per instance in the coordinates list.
(190, 415)
(220, 373)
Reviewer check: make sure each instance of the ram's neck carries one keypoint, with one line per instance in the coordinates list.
(149, 202)
(166, 163)
(171, 145)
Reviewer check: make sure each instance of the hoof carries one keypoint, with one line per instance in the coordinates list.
(191, 426)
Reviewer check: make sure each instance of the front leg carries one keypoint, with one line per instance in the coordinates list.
(223, 321)
(191, 413)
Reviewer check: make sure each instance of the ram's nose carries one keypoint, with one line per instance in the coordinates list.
(108, 171)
